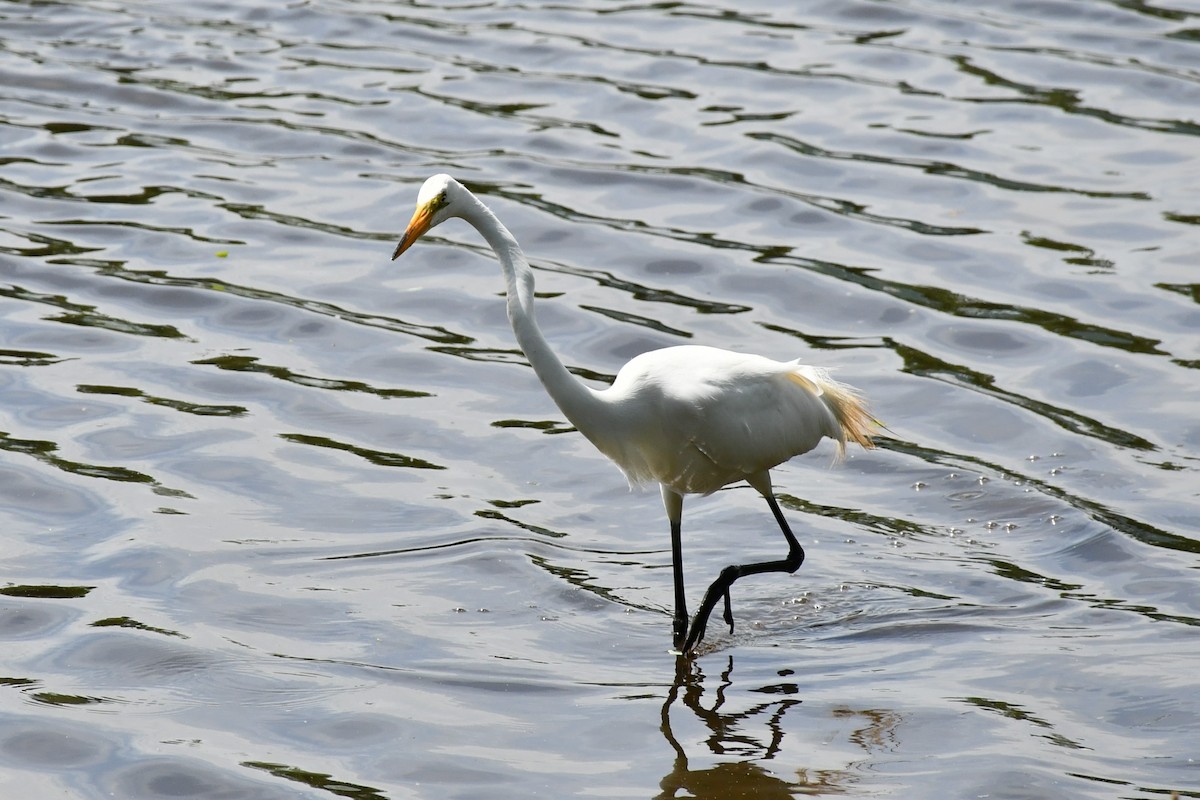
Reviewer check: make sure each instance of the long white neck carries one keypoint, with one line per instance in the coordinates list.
(578, 402)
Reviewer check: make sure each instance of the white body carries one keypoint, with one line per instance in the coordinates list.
(698, 418)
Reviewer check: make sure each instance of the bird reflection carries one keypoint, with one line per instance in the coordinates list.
(754, 735)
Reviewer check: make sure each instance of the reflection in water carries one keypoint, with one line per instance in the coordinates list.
(731, 734)
(44, 451)
(318, 780)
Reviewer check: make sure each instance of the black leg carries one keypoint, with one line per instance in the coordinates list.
(673, 502)
(681, 614)
(720, 587)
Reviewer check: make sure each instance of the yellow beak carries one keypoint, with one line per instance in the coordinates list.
(417, 226)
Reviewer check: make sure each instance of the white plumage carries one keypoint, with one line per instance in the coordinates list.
(698, 418)
(690, 418)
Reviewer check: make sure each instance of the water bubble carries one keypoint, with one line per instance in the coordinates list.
(1032, 458)
(982, 479)
(919, 485)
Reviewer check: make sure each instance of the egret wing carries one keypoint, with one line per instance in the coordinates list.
(752, 421)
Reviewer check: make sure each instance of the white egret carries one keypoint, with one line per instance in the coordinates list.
(692, 419)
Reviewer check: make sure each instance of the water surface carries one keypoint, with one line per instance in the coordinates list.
(282, 518)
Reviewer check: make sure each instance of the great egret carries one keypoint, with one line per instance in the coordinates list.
(692, 419)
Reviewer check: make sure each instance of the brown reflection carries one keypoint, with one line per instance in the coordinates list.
(752, 735)
(382, 458)
(317, 780)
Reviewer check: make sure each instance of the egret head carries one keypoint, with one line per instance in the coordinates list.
(439, 199)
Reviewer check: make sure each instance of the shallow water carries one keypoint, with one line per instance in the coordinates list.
(282, 518)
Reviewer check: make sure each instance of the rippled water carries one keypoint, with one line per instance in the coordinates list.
(281, 518)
